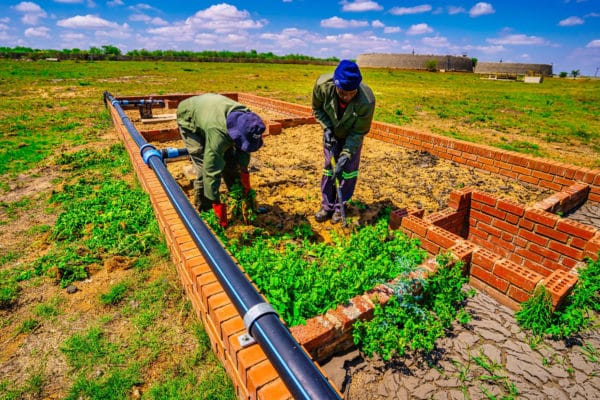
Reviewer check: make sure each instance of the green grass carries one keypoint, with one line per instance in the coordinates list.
(62, 123)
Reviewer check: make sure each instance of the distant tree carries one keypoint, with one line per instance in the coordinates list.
(474, 61)
(563, 74)
(575, 73)
(431, 65)
(111, 50)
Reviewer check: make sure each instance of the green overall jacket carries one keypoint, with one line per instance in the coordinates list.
(355, 123)
(206, 117)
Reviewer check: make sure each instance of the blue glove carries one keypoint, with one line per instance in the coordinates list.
(329, 139)
(341, 163)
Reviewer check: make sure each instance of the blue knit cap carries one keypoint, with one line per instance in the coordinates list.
(245, 129)
(347, 75)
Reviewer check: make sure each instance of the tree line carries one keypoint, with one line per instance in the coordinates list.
(113, 53)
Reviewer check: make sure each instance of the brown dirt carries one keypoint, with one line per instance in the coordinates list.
(286, 175)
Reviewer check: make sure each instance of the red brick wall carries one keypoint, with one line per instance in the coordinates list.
(544, 173)
(507, 248)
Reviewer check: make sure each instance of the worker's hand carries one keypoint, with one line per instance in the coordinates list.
(329, 139)
(220, 210)
(245, 178)
(341, 163)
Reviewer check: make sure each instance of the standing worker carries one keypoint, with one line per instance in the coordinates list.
(344, 107)
(219, 134)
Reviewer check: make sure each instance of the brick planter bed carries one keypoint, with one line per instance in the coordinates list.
(508, 249)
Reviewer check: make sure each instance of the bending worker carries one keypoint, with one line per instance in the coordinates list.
(219, 134)
(344, 107)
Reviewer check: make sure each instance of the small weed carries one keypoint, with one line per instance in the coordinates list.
(591, 353)
(49, 309)
(115, 294)
(29, 325)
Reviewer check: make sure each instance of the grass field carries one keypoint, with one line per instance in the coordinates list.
(60, 159)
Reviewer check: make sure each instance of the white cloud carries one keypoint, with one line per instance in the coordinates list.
(480, 9)
(419, 29)
(411, 10)
(32, 13)
(571, 21)
(69, 1)
(436, 41)
(594, 44)
(39, 32)
(361, 5)
(377, 24)
(115, 3)
(88, 22)
(340, 23)
(223, 18)
(518, 39)
(453, 10)
(392, 29)
(148, 20)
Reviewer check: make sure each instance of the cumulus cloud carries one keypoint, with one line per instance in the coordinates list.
(340, 23)
(518, 39)
(594, 44)
(361, 5)
(88, 22)
(411, 10)
(571, 21)
(480, 9)
(419, 29)
(392, 29)
(155, 21)
(224, 18)
(32, 12)
(38, 32)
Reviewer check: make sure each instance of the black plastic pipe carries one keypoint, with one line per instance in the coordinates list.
(301, 376)
(140, 102)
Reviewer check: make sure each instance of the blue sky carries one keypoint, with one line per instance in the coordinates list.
(564, 33)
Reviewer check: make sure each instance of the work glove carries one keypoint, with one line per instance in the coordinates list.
(329, 139)
(339, 167)
(220, 210)
(245, 179)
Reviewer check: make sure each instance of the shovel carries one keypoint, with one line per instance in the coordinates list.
(339, 194)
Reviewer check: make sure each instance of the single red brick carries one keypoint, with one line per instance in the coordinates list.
(485, 258)
(517, 275)
(317, 330)
(415, 225)
(259, 375)
(575, 228)
(566, 250)
(518, 294)
(442, 237)
(484, 198)
(511, 207)
(248, 357)
(559, 284)
(275, 390)
(541, 217)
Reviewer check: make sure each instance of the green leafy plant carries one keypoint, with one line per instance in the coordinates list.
(302, 278)
(421, 311)
(573, 315)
